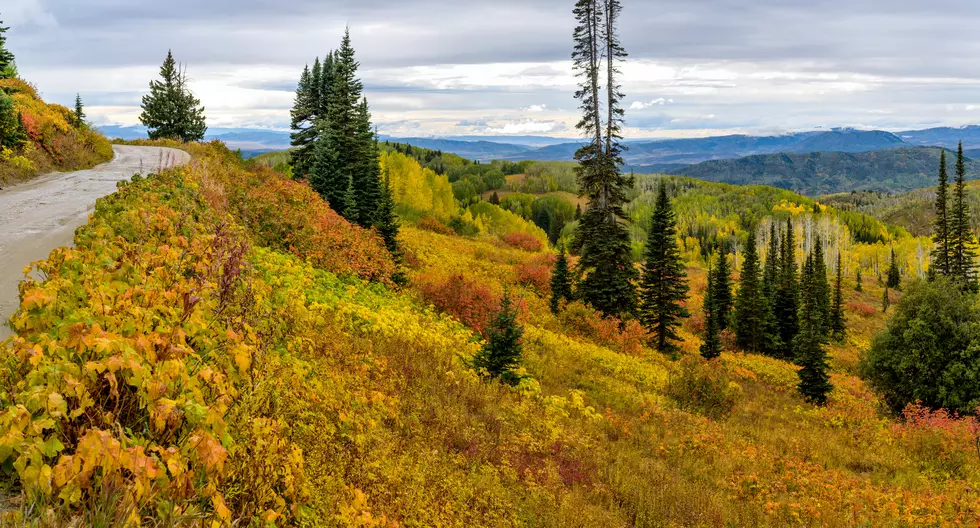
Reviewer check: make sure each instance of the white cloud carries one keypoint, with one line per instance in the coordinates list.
(641, 105)
(535, 108)
(525, 127)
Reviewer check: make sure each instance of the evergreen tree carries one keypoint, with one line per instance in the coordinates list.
(578, 210)
(339, 171)
(606, 251)
(664, 283)
(303, 123)
(366, 182)
(502, 354)
(495, 198)
(941, 227)
(857, 278)
(723, 298)
(786, 305)
(752, 320)
(11, 127)
(79, 111)
(555, 225)
(885, 301)
(820, 283)
(561, 281)
(963, 256)
(170, 110)
(770, 277)
(711, 348)
(894, 276)
(387, 221)
(8, 68)
(838, 323)
(810, 340)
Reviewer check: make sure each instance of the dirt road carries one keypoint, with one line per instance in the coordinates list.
(40, 215)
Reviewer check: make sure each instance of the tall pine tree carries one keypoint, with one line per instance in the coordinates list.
(170, 110)
(711, 348)
(561, 281)
(604, 243)
(838, 324)
(8, 68)
(857, 278)
(723, 298)
(820, 283)
(365, 180)
(338, 166)
(387, 221)
(941, 227)
(752, 320)
(79, 111)
(894, 275)
(303, 124)
(786, 305)
(810, 340)
(663, 286)
(963, 256)
(770, 276)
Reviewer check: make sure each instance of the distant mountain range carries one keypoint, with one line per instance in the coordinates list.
(816, 162)
(816, 173)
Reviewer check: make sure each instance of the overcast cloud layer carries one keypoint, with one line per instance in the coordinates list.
(441, 67)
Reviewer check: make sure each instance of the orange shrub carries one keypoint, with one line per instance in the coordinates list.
(289, 215)
(581, 320)
(941, 442)
(431, 223)
(470, 302)
(522, 241)
(536, 273)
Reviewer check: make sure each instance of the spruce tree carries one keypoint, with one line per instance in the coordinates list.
(820, 283)
(11, 127)
(365, 182)
(963, 256)
(894, 276)
(711, 348)
(495, 198)
(79, 111)
(809, 342)
(723, 298)
(170, 110)
(502, 354)
(885, 301)
(770, 276)
(838, 323)
(606, 261)
(8, 68)
(387, 221)
(338, 172)
(786, 305)
(857, 278)
(561, 281)
(578, 210)
(663, 286)
(941, 227)
(752, 319)
(303, 117)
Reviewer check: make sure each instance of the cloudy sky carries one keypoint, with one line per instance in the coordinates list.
(455, 67)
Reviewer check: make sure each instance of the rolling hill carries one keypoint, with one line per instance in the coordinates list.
(816, 173)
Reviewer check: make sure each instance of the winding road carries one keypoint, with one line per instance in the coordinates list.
(42, 214)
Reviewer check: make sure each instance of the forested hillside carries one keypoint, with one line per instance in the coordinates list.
(816, 173)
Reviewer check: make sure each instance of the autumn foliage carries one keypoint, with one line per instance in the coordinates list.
(54, 142)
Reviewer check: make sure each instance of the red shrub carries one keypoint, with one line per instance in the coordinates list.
(862, 309)
(522, 241)
(536, 273)
(469, 301)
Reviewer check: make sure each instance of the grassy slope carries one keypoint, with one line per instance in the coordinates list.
(348, 404)
(54, 143)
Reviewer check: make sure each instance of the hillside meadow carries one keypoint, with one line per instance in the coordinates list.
(220, 348)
